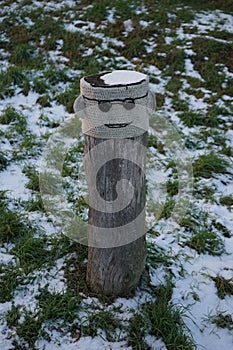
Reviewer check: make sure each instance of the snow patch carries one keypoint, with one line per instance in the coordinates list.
(123, 77)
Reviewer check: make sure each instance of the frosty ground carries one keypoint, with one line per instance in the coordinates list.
(185, 298)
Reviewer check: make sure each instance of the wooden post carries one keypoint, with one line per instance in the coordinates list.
(115, 263)
(117, 270)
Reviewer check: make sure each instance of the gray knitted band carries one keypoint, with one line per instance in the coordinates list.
(114, 92)
(118, 122)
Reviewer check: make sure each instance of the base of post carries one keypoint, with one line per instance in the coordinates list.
(116, 271)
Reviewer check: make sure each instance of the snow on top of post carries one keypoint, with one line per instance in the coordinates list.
(123, 77)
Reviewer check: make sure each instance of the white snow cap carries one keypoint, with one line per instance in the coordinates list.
(123, 77)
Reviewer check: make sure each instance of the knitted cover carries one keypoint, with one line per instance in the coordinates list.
(117, 122)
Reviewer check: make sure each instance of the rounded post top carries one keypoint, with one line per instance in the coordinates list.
(115, 85)
(116, 78)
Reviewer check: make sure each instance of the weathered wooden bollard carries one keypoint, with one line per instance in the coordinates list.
(114, 123)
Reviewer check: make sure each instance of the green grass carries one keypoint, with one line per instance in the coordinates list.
(224, 286)
(28, 331)
(27, 146)
(104, 320)
(23, 55)
(63, 245)
(97, 12)
(156, 256)
(32, 253)
(68, 97)
(10, 79)
(174, 60)
(46, 25)
(32, 174)
(44, 100)
(180, 105)
(210, 5)
(60, 308)
(136, 46)
(16, 121)
(208, 165)
(163, 320)
(13, 316)
(221, 229)
(75, 273)
(45, 121)
(167, 208)
(11, 276)
(3, 161)
(172, 187)
(206, 235)
(206, 241)
(55, 306)
(214, 137)
(36, 253)
(10, 115)
(174, 84)
(217, 52)
(193, 118)
(34, 204)
(137, 328)
(160, 99)
(205, 193)
(40, 85)
(123, 9)
(54, 75)
(223, 320)
(12, 225)
(153, 141)
(227, 201)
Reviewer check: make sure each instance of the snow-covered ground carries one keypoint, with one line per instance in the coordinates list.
(191, 271)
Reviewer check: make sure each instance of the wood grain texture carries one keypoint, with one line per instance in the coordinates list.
(117, 270)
